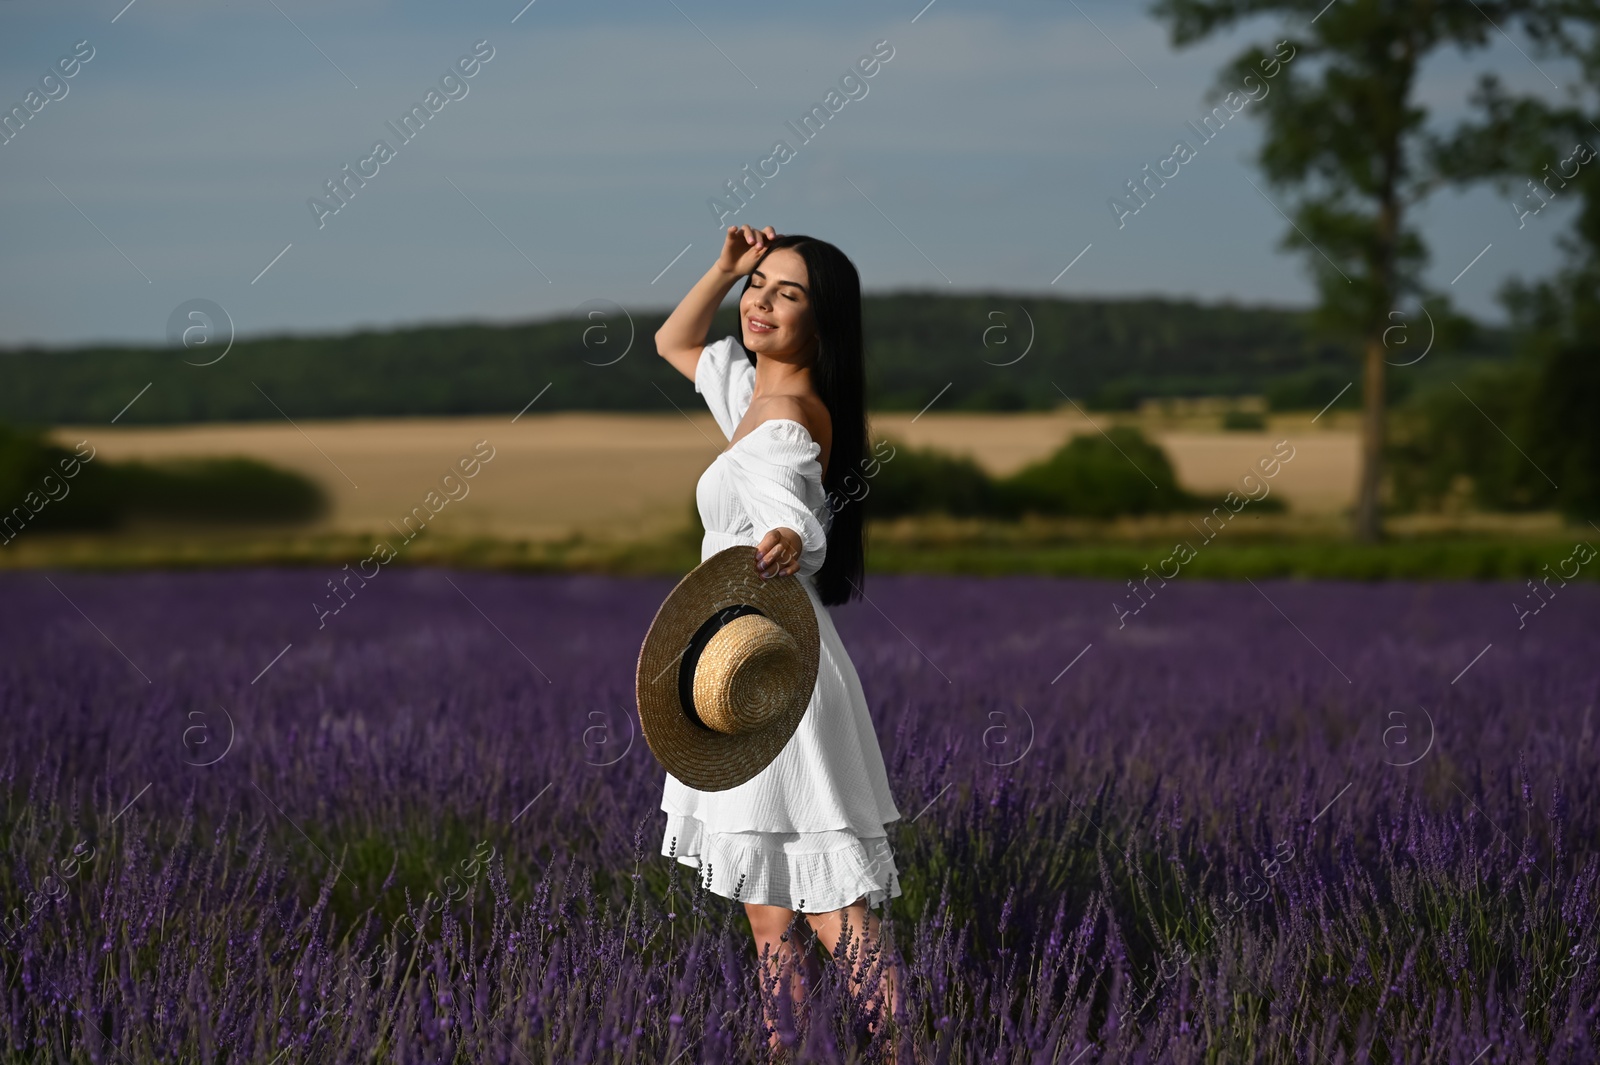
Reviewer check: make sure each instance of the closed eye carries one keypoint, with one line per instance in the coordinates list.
(786, 295)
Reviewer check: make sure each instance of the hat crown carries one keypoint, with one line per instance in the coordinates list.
(743, 674)
(727, 670)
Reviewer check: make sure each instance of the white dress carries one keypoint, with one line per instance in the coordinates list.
(807, 832)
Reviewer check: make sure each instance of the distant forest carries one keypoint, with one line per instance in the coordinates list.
(1104, 353)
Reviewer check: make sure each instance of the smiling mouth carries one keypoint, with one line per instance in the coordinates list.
(758, 326)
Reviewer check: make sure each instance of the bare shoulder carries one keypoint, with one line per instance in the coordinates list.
(810, 412)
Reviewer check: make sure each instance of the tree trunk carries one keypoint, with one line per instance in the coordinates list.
(1369, 503)
(1369, 512)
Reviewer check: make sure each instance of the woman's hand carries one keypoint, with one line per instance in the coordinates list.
(742, 248)
(778, 554)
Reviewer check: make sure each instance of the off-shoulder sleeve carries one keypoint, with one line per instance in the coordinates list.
(727, 380)
(774, 468)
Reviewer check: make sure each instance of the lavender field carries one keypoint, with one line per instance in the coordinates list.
(1275, 822)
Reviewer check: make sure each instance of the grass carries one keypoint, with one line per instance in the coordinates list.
(1267, 545)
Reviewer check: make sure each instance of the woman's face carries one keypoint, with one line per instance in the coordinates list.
(775, 311)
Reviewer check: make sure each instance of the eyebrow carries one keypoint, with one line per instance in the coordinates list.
(796, 284)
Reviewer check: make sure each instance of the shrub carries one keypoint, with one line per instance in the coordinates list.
(1243, 420)
(1091, 476)
(1315, 388)
(1515, 437)
(1564, 410)
(1442, 446)
(1097, 476)
(45, 486)
(1116, 396)
(230, 489)
(924, 480)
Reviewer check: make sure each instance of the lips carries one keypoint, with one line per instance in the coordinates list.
(758, 326)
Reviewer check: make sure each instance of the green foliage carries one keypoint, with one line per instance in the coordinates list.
(1444, 449)
(1090, 476)
(1244, 420)
(1112, 351)
(1097, 476)
(925, 480)
(1347, 148)
(44, 486)
(228, 489)
(1564, 410)
(1117, 396)
(1546, 402)
(1235, 558)
(1515, 438)
(1314, 389)
(1343, 127)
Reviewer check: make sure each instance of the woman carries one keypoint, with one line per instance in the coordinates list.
(806, 834)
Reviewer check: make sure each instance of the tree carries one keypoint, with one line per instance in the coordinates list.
(1345, 131)
(1548, 152)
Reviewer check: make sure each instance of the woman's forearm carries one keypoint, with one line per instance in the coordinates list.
(689, 321)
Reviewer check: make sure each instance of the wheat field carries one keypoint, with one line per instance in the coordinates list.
(632, 476)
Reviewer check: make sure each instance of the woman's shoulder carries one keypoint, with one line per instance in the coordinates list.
(801, 422)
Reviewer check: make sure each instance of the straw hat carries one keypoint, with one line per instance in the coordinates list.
(726, 671)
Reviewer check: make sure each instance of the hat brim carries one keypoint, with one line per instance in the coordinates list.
(702, 758)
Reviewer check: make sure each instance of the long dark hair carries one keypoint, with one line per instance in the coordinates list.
(840, 377)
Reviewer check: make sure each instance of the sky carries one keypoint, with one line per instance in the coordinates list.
(579, 160)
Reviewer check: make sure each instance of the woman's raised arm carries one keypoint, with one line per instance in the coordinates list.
(683, 335)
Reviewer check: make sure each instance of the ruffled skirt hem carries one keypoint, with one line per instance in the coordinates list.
(812, 872)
